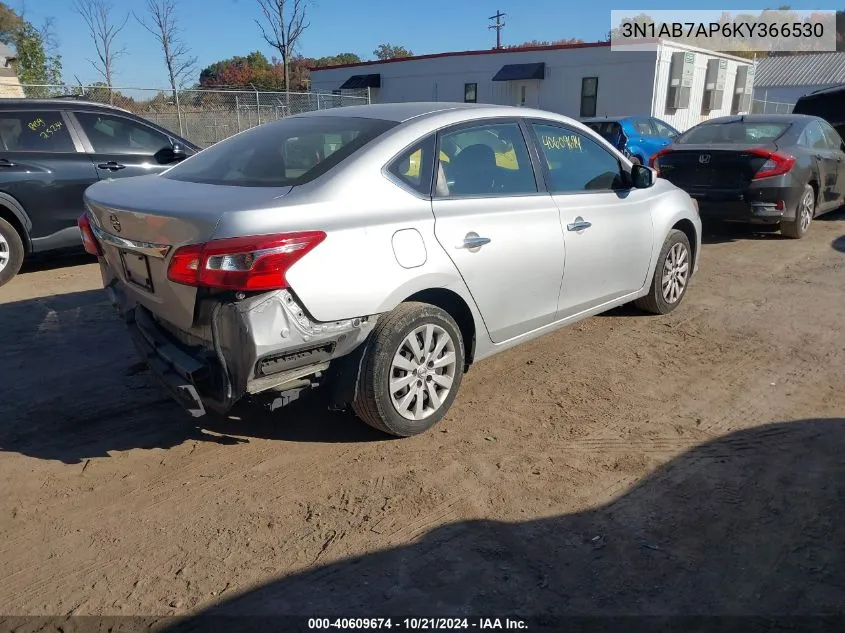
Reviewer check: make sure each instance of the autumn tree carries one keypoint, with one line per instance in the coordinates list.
(10, 22)
(254, 71)
(36, 65)
(337, 60)
(538, 43)
(283, 26)
(389, 51)
(33, 65)
(163, 24)
(104, 29)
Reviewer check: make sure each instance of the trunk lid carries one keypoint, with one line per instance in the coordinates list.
(711, 166)
(140, 222)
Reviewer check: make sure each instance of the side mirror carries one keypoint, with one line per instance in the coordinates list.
(170, 154)
(641, 177)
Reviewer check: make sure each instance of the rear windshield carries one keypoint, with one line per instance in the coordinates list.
(607, 129)
(280, 154)
(739, 132)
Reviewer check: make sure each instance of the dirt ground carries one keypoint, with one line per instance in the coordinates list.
(693, 463)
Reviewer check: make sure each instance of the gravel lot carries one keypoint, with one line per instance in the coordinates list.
(693, 463)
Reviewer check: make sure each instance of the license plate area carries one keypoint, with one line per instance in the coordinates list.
(136, 269)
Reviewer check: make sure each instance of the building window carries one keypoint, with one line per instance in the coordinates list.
(589, 94)
(470, 93)
(335, 92)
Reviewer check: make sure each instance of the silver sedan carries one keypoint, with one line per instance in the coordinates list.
(379, 251)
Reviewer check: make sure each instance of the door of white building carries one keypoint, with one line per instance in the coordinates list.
(526, 93)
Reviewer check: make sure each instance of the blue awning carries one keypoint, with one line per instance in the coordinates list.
(518, 72)
(356, 82)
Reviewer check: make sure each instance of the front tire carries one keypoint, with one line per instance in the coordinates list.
(11, 252)
(412, 370)
(804, 215)
(671, 275)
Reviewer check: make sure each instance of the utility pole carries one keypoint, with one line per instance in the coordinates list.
(498, 25)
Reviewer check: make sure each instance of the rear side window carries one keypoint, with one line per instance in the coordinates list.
(111, 134)
(812, 136)
(415, 166)
(484, 159)
(833, 138)
(34, 131)
(643, 127)
(734, 132)
(284, 153)
(663, 130)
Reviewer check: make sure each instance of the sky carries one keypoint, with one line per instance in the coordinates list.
(218, 29)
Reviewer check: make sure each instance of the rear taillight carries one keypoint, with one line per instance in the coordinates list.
(776, 164)
(653, 162)
(242, 263)
(90, 242)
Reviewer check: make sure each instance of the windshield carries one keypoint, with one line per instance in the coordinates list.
(284, 153)
(734, 132)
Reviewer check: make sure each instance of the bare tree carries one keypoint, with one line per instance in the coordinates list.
(285, 23)
(164, 26)
(104, 30)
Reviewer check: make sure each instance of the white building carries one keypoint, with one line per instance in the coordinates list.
(781, 80)
(680, 84)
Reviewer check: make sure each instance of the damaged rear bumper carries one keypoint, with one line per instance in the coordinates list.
(263, 345)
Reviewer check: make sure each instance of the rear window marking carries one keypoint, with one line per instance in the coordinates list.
(38, 125)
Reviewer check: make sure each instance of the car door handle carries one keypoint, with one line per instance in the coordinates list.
(111, 166)
(579, 225)
(5, 162)
(473, 240)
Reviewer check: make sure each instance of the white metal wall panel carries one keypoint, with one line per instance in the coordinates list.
(625, 79)
(627, 84)
(686, 118)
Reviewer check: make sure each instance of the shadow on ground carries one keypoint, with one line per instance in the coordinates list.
(54, 261)
(724, 232)
(749, 524)
(73, 390)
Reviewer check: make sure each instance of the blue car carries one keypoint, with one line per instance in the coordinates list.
(638, 137)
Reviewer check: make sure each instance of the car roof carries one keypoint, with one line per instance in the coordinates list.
(761, 118)
(824, 91)
(401, 112)
(68, 103)
(608, 119)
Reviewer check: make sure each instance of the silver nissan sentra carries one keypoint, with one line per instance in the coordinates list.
(378, 251)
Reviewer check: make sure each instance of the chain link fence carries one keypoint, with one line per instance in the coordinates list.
(761, 106)
(201, 116)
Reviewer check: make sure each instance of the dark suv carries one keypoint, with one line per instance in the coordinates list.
(51, 150)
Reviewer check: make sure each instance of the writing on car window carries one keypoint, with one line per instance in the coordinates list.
(569, 142)
(44, 131)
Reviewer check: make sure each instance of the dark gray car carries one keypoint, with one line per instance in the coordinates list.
(763, 169)
(51, 150)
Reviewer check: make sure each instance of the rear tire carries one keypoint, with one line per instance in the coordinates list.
(804, 215)
(671, 275)
(411, 371)
(11, 252)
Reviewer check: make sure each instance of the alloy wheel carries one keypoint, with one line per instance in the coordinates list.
(675, 273)
(4, 252)
(806, 210)
(422, 372)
